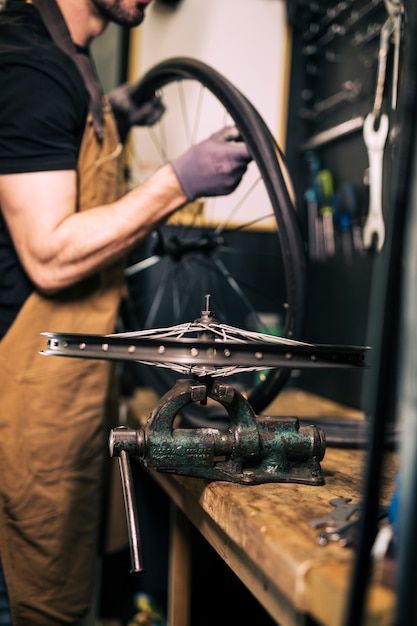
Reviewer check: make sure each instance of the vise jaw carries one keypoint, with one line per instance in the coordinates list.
(250, 450)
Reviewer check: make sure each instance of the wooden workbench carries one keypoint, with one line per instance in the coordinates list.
(262, 531)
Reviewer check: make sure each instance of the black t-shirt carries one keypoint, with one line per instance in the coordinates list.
(43, 108)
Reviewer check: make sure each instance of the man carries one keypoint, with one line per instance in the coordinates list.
(65, 228)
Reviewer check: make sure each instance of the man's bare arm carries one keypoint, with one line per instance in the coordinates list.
(59, 246)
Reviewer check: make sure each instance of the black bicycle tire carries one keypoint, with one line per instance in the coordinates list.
(263, 149)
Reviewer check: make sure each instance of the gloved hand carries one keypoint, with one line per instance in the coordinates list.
(132, 111)
(213, 167)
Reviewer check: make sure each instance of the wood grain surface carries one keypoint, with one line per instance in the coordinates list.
(262, 531)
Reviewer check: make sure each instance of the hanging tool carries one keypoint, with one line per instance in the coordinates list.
(348, 216)
(331, 134)
(325, 193)
(312, 216)
(375, 128)
(375, 143)
(315, 232)
(345, 203)
(391, 30)
(396, 10)
(348, 92)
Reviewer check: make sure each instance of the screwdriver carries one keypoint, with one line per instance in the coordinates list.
(343, 219)
(325, 194)
(315, 238)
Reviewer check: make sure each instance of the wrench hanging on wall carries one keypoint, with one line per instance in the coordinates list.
(390, 31)
(375, 143)
(375, 128)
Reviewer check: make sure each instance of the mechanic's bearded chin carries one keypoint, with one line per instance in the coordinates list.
(122, 12)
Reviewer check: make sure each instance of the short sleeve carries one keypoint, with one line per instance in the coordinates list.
(42, 116)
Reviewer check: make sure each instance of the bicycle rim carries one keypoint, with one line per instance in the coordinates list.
(251, 261)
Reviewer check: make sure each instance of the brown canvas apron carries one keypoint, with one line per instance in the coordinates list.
(53, 440)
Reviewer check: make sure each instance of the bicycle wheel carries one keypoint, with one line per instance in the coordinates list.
(244, 249)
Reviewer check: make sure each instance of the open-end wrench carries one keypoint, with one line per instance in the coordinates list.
(338, 524)
(375, 143)
(338, 518)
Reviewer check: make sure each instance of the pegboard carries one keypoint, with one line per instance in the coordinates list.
(336, 56)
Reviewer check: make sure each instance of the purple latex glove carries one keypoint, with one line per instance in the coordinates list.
(213, 167)
(130, 111)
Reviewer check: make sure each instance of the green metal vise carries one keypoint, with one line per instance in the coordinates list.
(250, 450)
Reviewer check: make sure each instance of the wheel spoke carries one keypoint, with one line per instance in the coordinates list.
(245, 249)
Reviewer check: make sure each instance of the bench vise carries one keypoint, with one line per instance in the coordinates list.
(250, 450)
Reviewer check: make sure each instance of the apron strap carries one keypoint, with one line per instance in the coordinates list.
(55, 23)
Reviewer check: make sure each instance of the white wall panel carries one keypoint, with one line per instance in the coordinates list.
(246, 40)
